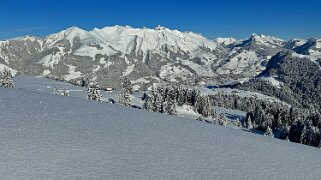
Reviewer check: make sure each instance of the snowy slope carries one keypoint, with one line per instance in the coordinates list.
(247, 58)
(294, 43)
(311, 48)
(267, 40)
(225, 41)
(53, 137)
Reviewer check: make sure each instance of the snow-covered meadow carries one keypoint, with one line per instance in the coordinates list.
(45, 136)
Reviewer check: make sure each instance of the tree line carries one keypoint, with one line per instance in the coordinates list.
(288, 122)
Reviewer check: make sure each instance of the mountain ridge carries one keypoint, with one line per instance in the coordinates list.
(147, 56)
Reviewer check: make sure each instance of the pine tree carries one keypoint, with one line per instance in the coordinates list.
(189, 97)
(259, 118)
(249, 124)
(293, 114)
(206, 109)
(222, 120)
(181, 96)
(284, 135)
(303, 135)
(164, 107)
(127, 86)
(171, 107)
(269, 119)
(195, 97)
(6, 79)
(148, 104)
(157, 102)
(203, 105)
(93, 92)
(124, 97)
(269, 132)
(296, 131)
(237, 123)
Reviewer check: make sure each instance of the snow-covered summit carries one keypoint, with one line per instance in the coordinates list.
(159, 28)
(294, 43)
(270, 41)
(311, 47)
(124, 39)
(225, 41)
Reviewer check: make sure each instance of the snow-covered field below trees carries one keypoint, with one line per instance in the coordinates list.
(44, 85)
(45, 136)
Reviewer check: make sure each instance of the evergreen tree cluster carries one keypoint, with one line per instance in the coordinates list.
(93, 92)
(295, 124)
(165, 100)
(6, 79)
(306, 130)
(300, 80)
(222, 120)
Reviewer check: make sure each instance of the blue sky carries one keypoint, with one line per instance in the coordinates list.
(238, 18)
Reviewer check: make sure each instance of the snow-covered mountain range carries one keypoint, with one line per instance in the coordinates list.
(144, 55)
